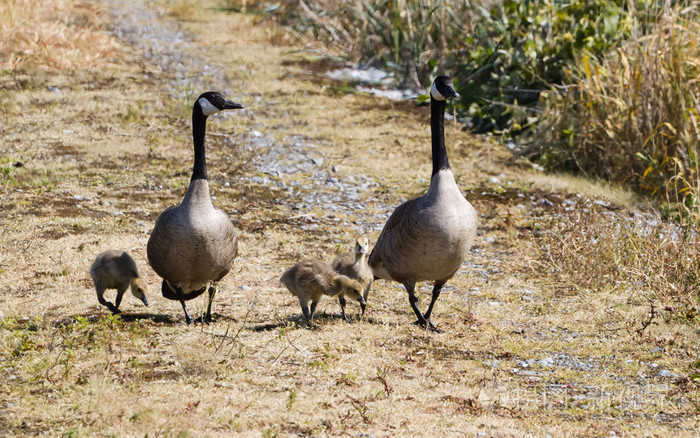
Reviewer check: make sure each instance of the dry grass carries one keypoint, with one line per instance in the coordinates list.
(60, 34)
(103, 157)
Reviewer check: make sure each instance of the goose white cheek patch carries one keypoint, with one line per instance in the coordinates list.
(207, 108)
(435, 93)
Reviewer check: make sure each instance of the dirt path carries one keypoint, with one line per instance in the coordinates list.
(301, 171)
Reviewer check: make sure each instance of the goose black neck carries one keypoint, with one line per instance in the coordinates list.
(199, 127)
(437, 129)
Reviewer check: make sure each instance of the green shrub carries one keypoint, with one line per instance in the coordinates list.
(632, 115)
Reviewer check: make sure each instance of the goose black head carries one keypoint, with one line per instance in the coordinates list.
(212, 102)
(442, 88)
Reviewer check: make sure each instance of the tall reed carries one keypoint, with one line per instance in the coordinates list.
(632, 115)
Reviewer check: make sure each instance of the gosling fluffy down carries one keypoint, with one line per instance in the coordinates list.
(354, 265)
(115, 269)
(309, 280)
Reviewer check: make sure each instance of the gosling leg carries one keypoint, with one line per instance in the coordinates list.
(341, 298)
(100, 297)
(118, 300)
(304, 302)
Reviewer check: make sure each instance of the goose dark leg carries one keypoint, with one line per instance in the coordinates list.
(436, 293)
(413, 301)
(207, 316)
(341, 298)
(181, 298)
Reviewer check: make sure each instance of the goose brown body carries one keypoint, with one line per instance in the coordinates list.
(428, 238)
(193, 244)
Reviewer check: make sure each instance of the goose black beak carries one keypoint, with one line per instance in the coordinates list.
(232, 105)
(452, 92)
(363, 304)
(145, 301)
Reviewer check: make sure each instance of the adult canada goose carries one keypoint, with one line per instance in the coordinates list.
(309, 280)
(428, 238)
(114, 269)
(354, 265)
(193, 244)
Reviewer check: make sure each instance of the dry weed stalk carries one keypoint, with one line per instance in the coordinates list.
(592, 249)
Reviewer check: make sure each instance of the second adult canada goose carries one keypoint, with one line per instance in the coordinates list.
(428, 238)
(193, 244)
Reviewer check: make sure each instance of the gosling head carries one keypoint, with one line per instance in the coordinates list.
(351, 289)
(138, 289)
(442, 88)
(361, 245)
(212, 102)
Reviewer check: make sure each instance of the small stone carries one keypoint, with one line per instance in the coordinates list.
(546, 362)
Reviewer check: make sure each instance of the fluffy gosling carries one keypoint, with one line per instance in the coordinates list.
(354, 265)
(311, 279)
(115, 269)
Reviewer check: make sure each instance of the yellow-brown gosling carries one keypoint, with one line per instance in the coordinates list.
(309, 280)
(354, 265)
(115, 269)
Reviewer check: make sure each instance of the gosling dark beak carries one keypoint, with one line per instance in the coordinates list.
(232, 105)
(363, 304)
(145, 301)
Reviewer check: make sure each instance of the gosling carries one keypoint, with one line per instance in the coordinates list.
(355, 266)
(311, 279)
(115, 269)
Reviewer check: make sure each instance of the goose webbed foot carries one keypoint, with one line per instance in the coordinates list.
(205, 319)
(428, 325)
